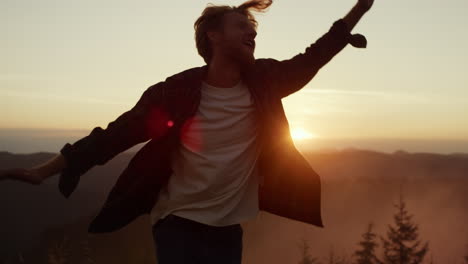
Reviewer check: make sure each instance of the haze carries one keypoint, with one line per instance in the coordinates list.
(74, 65)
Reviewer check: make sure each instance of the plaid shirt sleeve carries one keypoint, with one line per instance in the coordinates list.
(144, 121)
(288, 76)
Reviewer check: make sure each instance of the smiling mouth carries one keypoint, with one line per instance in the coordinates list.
(250, 44)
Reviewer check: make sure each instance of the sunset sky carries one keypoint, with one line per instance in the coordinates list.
(80, 64)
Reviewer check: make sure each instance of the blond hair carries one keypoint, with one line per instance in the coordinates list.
(211, 19)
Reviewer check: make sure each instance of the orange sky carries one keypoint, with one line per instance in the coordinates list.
(80, 64)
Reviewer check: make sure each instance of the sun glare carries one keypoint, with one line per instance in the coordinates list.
(300, 134)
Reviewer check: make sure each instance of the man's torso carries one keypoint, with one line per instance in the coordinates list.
(214, 179)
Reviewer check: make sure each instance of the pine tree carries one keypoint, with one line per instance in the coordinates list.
(306, 258)
(333, 259)
(402, 245)
(86, 249)
(368, 245)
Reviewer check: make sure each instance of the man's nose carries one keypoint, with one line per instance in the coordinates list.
(252, 34)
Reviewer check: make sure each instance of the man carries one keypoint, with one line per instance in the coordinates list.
(220, 147)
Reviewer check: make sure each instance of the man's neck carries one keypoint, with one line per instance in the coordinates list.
(223, 73)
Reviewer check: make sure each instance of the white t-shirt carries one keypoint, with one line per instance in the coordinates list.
(215, 176)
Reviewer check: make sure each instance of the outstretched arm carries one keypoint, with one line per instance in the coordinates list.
(356, 13)
(37, 174)
(144, 121)
(289, 76)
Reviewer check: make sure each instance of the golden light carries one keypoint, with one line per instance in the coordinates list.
(300, 134)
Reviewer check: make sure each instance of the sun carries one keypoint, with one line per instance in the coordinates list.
(301, 134)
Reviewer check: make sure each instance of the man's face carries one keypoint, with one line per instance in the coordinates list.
(237, 41)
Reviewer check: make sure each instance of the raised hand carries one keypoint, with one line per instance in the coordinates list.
(365, 4)
(31, 176)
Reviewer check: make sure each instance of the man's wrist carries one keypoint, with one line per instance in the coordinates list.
(51, 167)
(353, 16)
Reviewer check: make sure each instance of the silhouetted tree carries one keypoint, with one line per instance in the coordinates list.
(402, 245)
(366, 253)
(332, 259)
(87, 255)
(306, 258)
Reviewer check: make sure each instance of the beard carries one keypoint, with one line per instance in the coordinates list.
(240, 55)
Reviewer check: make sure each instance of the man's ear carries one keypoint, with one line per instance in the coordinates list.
(214, 36)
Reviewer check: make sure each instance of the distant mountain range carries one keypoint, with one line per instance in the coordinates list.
(359, 186)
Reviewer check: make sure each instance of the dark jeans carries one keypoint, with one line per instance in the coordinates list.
(183, 241)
